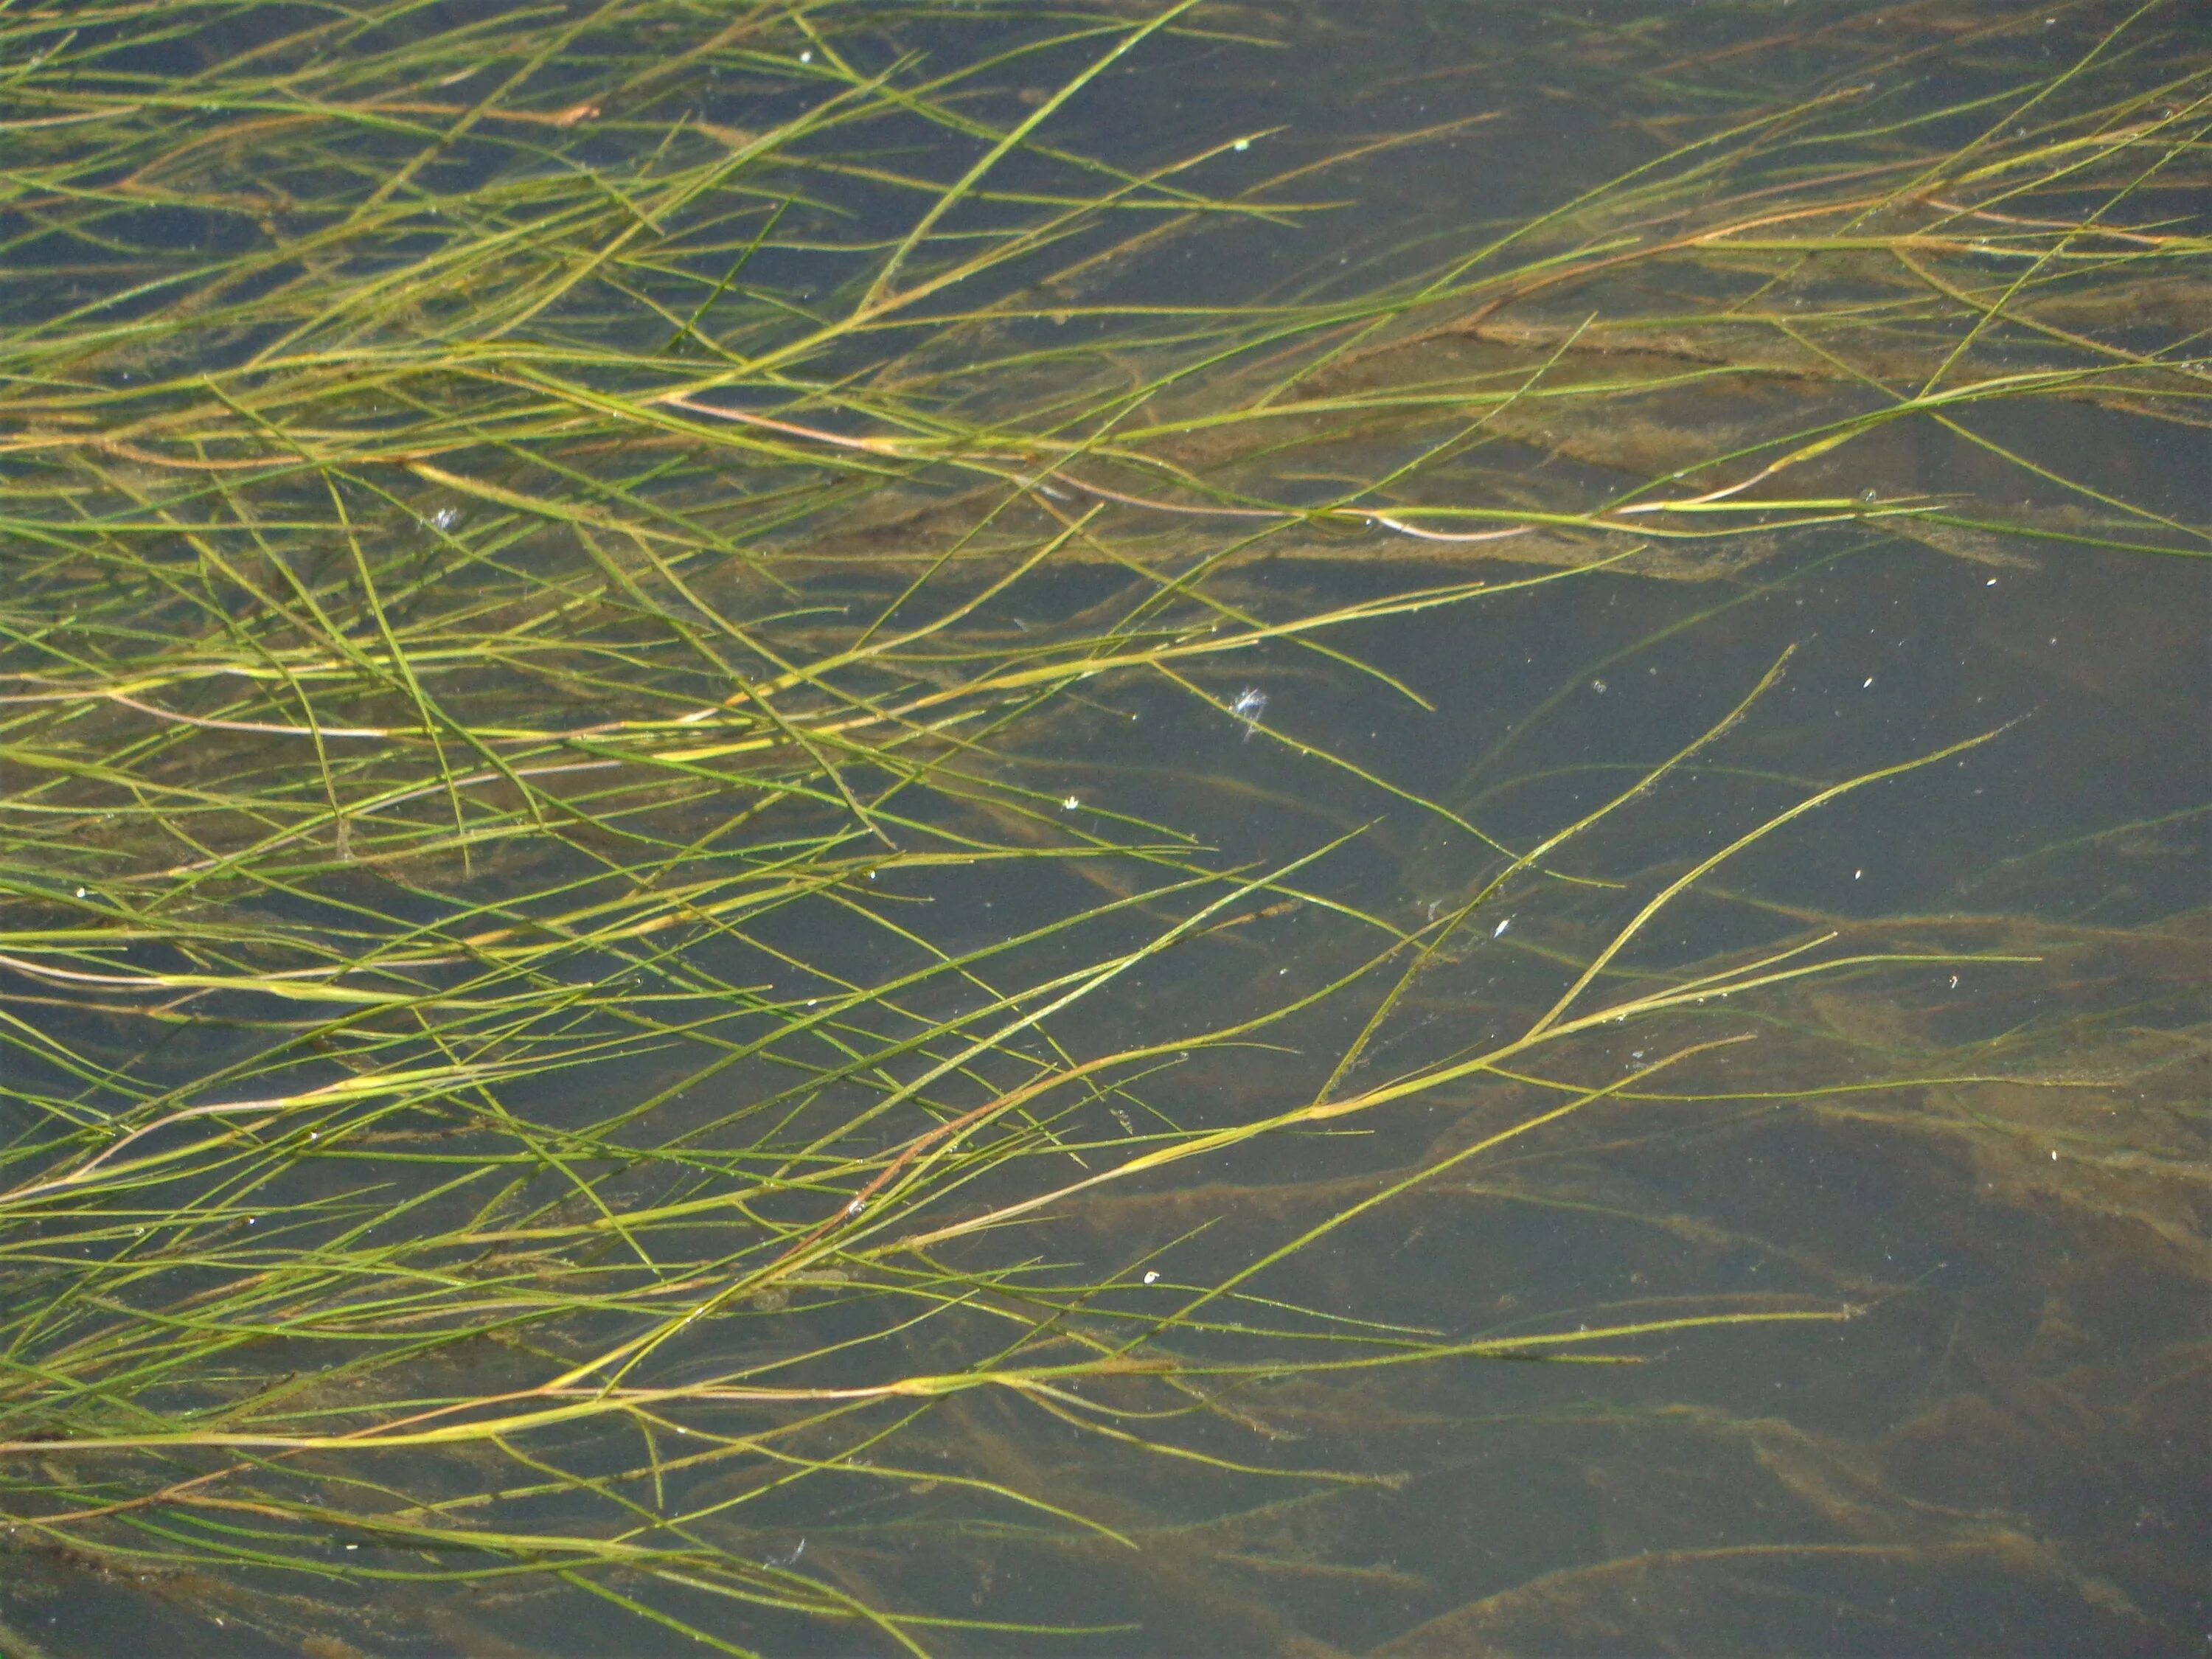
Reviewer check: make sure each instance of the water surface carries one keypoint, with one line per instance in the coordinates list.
(1979, 1162)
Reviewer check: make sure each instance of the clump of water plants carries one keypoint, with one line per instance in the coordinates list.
(558, 971)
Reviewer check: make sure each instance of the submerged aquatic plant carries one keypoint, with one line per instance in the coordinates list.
(553, 561)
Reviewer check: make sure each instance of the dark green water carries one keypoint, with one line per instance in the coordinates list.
(2004, 1450)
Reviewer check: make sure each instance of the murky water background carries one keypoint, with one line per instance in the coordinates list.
(2004, 1451)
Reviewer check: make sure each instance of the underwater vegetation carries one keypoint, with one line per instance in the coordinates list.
(699, 945)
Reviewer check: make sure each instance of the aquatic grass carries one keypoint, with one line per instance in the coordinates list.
(533, 647)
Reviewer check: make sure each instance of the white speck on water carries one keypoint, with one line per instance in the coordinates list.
(1151, 1279)
(1069, 803)
(1498, 931)
(1598, 686)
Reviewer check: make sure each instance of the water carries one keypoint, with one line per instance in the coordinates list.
(1979, 1162)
